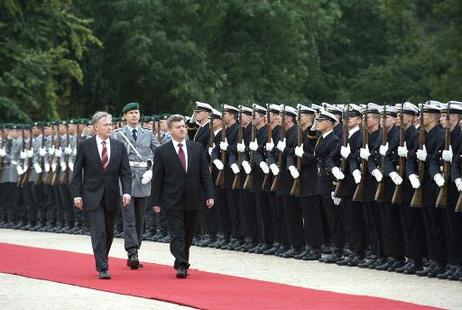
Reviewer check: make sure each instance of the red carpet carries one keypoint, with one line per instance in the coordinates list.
(201, 290)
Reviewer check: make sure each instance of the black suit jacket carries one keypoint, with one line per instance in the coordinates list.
(174, 189)
(96, 187)
(202, 136)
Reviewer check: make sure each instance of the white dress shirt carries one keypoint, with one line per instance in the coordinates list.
(100, 147)
(185, 151)
(352, 131)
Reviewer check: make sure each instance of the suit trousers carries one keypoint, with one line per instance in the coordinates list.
(413, 232)
(222, 216)
(133, 223)
(102, 233)
(393, 243)
(232, 208)
(452, 222)
(181, 226)
(277, 219)
(433, 222)
(335, 221)
(375, 236)
(356, 225)
(66, 202)
(265, 231)
(312, 221)
(294, 221)
(248, 214)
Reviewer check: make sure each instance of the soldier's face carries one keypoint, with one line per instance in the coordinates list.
(390, 121)
(354, 121)
(372, 120)
(216, 122)
(258, 119)
(323, 125)
(35, 131)
(48, 131)
(62, 129)
(429, 118)
(201, 115)
(132, 117)
(72, 129)
(246, 119)
(163, 125)
(274, 117)
(104, 127)
(178, 131)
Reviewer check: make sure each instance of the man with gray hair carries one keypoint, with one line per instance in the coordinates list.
(100, 162)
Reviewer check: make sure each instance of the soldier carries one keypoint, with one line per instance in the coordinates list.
(338, 127)
(141, 145)
(432, 179)
(10, 175)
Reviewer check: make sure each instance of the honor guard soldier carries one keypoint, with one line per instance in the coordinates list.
(141, 145)
(338, 128)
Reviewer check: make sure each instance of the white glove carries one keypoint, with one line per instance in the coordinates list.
(47, 167)
(395, 177)
(253, 146)
(51, 150)
(294, 172)
(335, 199)
(402, 150)
(63, 166)
(364, 152)
(337, 173)
(383, 149)
(67, 150)
(218, 164)
(357, 176)
(37, 168)
(30, 153)
(240, 147)
(2, 152)
(281, 145)
(58, 153)
(147, 177)
(422, 153)
(210, 150)
(269, 146)
(439, 179)
(458, 183)
(299, 151)
(74, 152)
(345, 151)
(224, 145)
(19, 170)
(23, 155)
(377, 174)
(447, 154)
(264, 167)
(42, 151)
(274, 169)
(246, 166)
(414, 179)
(71, 166)
(54, 166)
(235, 168)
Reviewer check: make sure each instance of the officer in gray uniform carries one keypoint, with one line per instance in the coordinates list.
(141, 145)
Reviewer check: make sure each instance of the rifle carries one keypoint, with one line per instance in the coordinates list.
(39, 179)
(398, 193)
(416, 201)
(49, 177)
(341, 183)
(267, 179)
(296, 186)
(380, 193)
(442, 199)
(66, 178)
(359, 192)
(221, 173)
(211, 139)
(2, 145)
(56, 174)
(19, 183)
(248, 183)
(237, 183)
(277, 179)
(26, 176)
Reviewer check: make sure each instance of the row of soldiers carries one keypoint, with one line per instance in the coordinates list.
(368, 186)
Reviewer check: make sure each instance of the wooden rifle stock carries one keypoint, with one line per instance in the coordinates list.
(296, 186)
(397, 197)
(248, 183)
(359, 192)
(49, 178)
(237, 182)
(276, 186)
(26, 176)
(380, 193)
(220, 181)
(341, 183)
(442, 199)
(19, 182)
(66, 177)
(39, 179)
(267, 180)
(54, 180)
(416, 201)
(1, 147)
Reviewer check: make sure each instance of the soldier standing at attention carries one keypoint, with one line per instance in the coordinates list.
(141, 144)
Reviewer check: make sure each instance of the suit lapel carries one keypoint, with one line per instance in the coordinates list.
(113, 151)
(95, 152)
(175, 155)
(189, 152)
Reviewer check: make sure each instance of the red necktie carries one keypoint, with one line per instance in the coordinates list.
(181, 156)
(104, 158)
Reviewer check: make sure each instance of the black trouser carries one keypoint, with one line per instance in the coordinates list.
(209, 220)
(413, 232)
(294, 221)
(335, 221)
(3, 202)
(433, 222)
(371, 213)
(393, 241)
(30, 203)
(51, 203)
(150, 220)
(181, 226)
(232, 208)
(41, 199)
(222, 216)
(102, 233)
(312, 221)
(12, 197)
(248, 214)
(133, 223)
(452, 223)
(162, 222)
(19, 208)
(357, 227)
(67, 204)
(264, 217)
(277, 218)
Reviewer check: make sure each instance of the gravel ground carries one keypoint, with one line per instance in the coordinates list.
(22, 293)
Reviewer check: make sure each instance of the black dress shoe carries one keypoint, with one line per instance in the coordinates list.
(397, 263)
(344, 261)
(166, 239)
(255, 248)
(282, 249)
(412, 267)
(271, 250)
(456, 274)
(181, 272)
(314, 254)
(303, 253)
(378, 262)
(355, 260)
(366, 262)
(104, 275)
(326, 249)
(387, 264)
(426, 270)
(133, 261)
(438, 268)
(236, 245)
(449, 271)
(331, 258)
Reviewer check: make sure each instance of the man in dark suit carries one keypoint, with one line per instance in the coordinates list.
(181, 184)
(101, 161)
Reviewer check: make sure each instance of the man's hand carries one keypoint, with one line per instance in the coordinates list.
(156, 209)
(78, 203)
(209, 202)
(126, 200)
